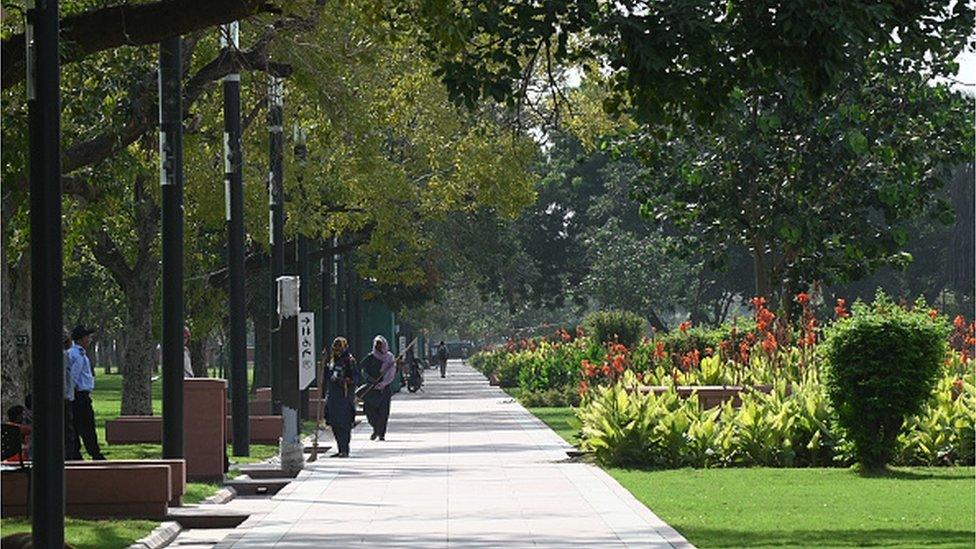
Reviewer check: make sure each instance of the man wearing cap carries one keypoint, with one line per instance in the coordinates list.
(69, 401)
(84, 380)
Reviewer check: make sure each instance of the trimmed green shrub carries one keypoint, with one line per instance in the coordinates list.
(615, 326)
(882, 364)
(567, 395)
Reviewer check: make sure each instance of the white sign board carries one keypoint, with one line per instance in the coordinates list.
(306, 350)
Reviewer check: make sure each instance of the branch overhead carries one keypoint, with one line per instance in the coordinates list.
(128, 25)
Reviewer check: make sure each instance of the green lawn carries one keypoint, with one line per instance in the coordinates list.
(90, 534)
(912, 507)
(561, 420)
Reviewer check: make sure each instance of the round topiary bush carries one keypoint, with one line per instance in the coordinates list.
(882, 364)
(615, 326)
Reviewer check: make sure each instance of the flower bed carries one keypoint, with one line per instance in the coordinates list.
(790, 423)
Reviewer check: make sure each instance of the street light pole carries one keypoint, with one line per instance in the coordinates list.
(171, 183)
(277, 225)
(300, 138)
(44, 123)
(234, 199)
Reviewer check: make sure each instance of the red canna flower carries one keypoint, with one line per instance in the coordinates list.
(744, 352)
(684, 326)
(959, 322)
(659, 352)
(933, 314)
(769, 343)
(583, 387)
(841, 309)
(802, 298)
(618, 363)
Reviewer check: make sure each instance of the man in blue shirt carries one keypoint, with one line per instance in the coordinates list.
(84, 382)
(69, 399)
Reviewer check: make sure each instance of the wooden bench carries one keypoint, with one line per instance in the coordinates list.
(177, 472)
(710, 396)
(100, 489)
(149, 429)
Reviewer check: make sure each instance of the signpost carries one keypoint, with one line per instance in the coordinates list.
(306, 350)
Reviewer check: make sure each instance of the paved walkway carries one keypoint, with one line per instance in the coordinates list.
(463, 465)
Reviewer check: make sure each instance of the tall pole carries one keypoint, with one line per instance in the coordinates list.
(301, 156)
(171, 183)
(277, 224)
(291, 445)
(234, 198)
(328, 264)
(350, 304)
(44, 123)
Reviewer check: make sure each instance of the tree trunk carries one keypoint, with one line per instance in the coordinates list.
(198, 357)
(760, 271)
(15, 319)
(262, 367)
(138, 283)
(139, 356)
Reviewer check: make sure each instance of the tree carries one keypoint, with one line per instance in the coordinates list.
(677, 58)
(89, 31)
(388, 153)
(816, 190)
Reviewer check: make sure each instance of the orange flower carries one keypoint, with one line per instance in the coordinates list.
(583, 387)
(769, 343)
(841, 309)
(933, 314)
(764, 319)
(744, 352)
(605, 369)
(684, 326)
(709, 351)
(690, 359)
(618, 363)
(802, 298)
(659, 350)
(959, 322)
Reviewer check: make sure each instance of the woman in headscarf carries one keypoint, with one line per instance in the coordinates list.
(378, 368)
(343, 378)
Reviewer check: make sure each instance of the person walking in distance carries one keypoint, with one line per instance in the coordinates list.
(378, 368)
(442, 358)
(84, 380)
(70, 448)
(340, 399)
(187, 364)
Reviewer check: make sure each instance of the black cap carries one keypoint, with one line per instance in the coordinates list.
(80, 331)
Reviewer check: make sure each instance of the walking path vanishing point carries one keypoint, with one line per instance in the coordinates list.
(463, 465)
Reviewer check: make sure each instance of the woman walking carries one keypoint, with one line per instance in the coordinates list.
(378, 368)
(340, 400)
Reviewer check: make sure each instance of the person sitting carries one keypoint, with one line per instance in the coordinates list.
(16, 449)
